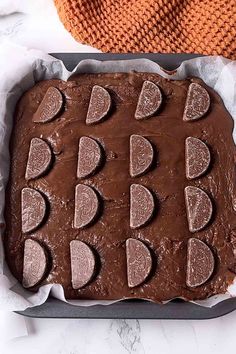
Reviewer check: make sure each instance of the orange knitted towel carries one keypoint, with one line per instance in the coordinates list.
(189, 26)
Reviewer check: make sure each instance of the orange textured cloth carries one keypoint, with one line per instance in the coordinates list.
(200, 26)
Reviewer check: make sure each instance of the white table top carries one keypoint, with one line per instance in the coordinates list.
(35, 24)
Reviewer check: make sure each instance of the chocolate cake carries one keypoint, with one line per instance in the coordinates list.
(122, 186)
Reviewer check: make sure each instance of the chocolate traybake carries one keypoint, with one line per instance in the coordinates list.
(122, 186)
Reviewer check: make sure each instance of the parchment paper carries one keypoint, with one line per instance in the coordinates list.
(20, 69)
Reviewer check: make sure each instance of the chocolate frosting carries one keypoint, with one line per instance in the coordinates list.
(167, 233)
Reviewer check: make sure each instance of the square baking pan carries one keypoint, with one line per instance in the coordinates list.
(129, 309)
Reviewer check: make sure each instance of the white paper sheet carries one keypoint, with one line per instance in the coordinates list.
(20, 70)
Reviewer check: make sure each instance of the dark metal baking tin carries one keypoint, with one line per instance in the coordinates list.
(130, 309)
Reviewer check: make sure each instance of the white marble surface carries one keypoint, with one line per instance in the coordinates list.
(35, 24)
(119, 336)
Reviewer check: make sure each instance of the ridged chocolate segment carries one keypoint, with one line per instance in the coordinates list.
(39, 159)
(49, 107)
(149, 101)
(197, 157)
(141, 206)
(141, 155)
(99, 105)
(200, 263)
(86, 206)
(82, 264)
(139, 262)
(35, 263)
(89, 157)
(33, 209)
(199, 208)
(197, 102)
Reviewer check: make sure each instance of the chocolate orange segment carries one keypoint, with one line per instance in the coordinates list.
(199, 208)
(139, 262)
(35, 263)
(200, 263)
(141, 155)
(197, 103)
(149, 101)
(39, 159)
(89, 157)
(82, 264)
(99, 105)
(141, 206)
(197, 157)
(33, 209)
(49, 107)
(86, 206)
